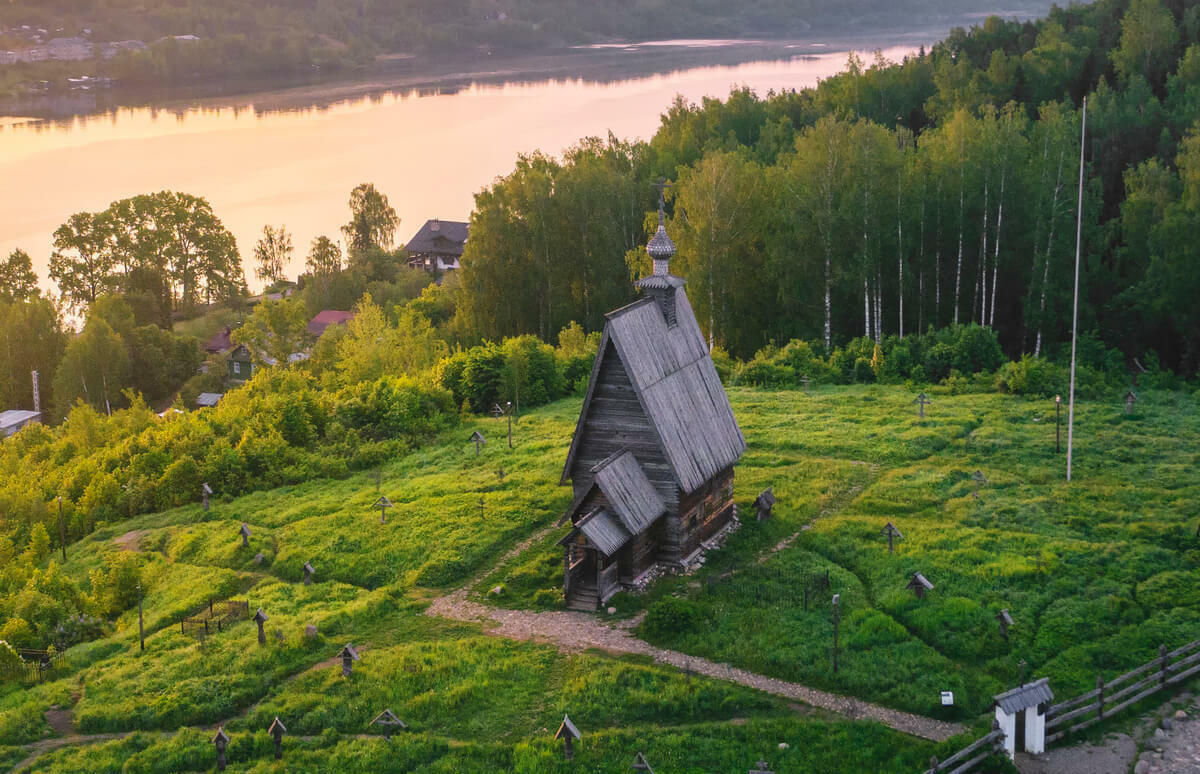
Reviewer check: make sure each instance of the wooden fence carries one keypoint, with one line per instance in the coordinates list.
(970, 756)
(1169, 669)
(215, 617)
(34, 665)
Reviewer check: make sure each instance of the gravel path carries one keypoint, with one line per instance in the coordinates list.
(574, 632)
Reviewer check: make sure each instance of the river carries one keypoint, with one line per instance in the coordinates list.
(291, 156)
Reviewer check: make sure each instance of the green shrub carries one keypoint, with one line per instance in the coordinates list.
(1030, 375)
(672, 617)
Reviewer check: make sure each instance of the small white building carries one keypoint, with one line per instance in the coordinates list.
(12, 421)
(1021, 714)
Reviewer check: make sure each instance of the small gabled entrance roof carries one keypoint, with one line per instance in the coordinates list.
(630, 496)
(1025, 696)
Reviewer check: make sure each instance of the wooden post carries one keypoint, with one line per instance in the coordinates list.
(1057, 424)
(141, 628)
(62, 531)
(277, 730)
(933, 765)
(1162, 669)
(1100, 697)
(836, 621)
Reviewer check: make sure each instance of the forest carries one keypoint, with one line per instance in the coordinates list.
(892, 198)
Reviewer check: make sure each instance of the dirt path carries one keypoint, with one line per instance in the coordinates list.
(38, 749)
(574, 632)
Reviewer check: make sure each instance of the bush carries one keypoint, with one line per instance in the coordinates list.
(761, 372)
(1034, 376)
(672, 617)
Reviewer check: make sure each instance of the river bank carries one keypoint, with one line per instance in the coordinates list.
(609, 62)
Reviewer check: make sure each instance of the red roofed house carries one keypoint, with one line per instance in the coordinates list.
(318, 324)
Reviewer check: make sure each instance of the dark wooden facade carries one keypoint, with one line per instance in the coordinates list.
(651, 461)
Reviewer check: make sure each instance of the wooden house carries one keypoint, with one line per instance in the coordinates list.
(651, 461)
(438, 245)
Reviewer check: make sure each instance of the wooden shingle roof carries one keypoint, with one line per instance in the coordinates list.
(629, 493)
(1025, 696)
(677, 386)
(604, 531)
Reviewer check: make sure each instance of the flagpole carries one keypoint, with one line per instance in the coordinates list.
(1075, 317)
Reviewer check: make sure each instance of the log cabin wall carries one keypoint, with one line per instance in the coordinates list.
(615, 421)
(704, 512)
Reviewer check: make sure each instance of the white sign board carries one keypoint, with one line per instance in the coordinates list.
(947, 698)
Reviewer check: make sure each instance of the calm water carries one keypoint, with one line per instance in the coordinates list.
(429, 152)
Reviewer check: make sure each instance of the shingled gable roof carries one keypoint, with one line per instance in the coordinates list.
(677, 386)
(446, 237)
(603, 531)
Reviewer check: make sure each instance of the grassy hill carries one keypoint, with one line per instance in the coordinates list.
(1095, 575)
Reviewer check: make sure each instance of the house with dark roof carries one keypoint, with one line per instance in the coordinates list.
(438, 245)
(325, 318)
(221, 342)
(651, 461)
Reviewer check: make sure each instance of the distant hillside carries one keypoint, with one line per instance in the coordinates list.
(239, 37)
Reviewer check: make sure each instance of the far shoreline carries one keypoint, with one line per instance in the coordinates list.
(607, 62)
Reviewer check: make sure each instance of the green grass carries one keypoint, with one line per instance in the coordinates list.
(1096, 574)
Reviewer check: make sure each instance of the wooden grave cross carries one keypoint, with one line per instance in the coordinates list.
(205, 492)
(389, 722)
(309, 572)
(979, 479)
(641, 764)
(245, 533)
(260, 618)
(505, 411)
(761, 768)
(480, 504)
(141, 628)
(921, 402)
(919, 585)
(479, 441)
(892, 534)
(568, 733)
(349, 656)
(500, 474)
(383, 503)
(1005, 621)
(804, 380)
(277, 730)
(221, 742)
(1130, 400)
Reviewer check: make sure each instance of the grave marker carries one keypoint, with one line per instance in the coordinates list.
(277, 730)
(764, 503)
(205, 493)
(245, 533)
(892, 534)
(979, 479)
(1130, 400)
(921, 402)
(761, 768)
(505, 411)
(221, 742)
(309, 572)
(641, 764)
(568, 733)
(804, 380)
(479, 441)
(919, 585)
(349, 656)
(383, 503)
(480, 504)
(500, 474)
(260, 618)
(1005, 621)
(389, 722)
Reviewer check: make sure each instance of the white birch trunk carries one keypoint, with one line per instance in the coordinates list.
(991, 315)
(1037, 349)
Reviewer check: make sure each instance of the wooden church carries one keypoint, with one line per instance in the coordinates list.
(652, 458)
